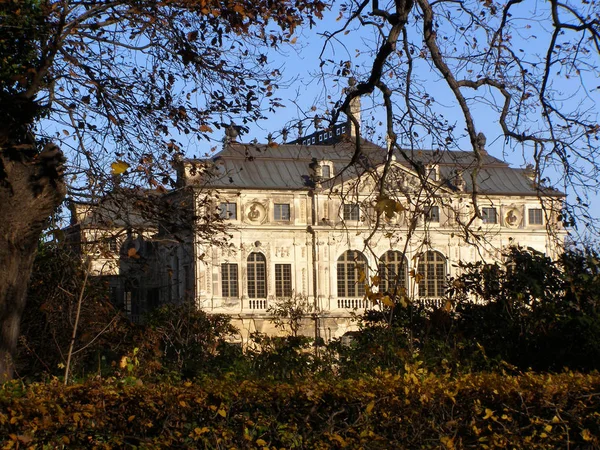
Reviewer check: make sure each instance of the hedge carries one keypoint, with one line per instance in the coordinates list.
(416, 409)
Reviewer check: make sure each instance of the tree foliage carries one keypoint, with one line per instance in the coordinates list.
(117, 84)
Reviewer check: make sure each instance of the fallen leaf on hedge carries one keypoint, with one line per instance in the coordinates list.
(261, 442)
(448, 442)
(370, 407)
(586, 435)
(488, 413)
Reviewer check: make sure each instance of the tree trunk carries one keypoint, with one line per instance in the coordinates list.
(31, 188)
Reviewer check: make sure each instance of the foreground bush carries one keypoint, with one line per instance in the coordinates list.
(414, 410)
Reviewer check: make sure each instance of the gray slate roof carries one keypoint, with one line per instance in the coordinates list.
(259, 166)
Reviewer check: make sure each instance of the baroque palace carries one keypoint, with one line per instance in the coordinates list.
(305, 224)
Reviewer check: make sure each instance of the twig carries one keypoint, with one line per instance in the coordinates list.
(79, 302)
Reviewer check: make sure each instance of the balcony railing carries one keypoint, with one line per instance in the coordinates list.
(432, 302)
(257, 303)
(352, 303)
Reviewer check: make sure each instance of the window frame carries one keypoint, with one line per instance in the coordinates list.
(256, 275)
(348, 274)
(485, 218)
(224, 210)
(232, 282)
(351, 212)
(278, 210)
(432, 218)
(432, 269)
(283, 280)
(389, 268)
(535, 211)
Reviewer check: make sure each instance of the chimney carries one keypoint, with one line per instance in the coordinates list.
(354, 108)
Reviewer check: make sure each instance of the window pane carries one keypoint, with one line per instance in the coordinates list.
(536, 217)
(393, 272)
(283, 280)
(228, 210)
(229, 280)
(432, 270)
(351, 211)
(257, 276)
(325, 171)
(432, 214)
(282, 211)
(351, 268)
(489, 215)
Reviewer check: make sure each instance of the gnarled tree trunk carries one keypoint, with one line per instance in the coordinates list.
(31, 187)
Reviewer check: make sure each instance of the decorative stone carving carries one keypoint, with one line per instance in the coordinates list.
(304, 285)
(255, 213)
(513, 217)
(282, 252)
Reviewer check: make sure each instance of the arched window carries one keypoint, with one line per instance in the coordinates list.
(257, 275)
(393, 272)
(351, 274)
(432, 274)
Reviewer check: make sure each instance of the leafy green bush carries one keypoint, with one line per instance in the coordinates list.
(535, 312)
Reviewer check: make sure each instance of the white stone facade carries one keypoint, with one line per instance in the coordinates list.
(292, 240)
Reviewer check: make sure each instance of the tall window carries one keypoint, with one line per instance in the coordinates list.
(281, 211)
(432, 274)
(351, 211)
(432, 214)
(393, 271)
(229, 280)
(228, 210)
(283, 280)
(535, 216)
(325, 171)
(489, 215)
(257, 275)
(351, 274)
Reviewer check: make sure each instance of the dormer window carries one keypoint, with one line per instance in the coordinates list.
(325, 170)
(432, 173)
